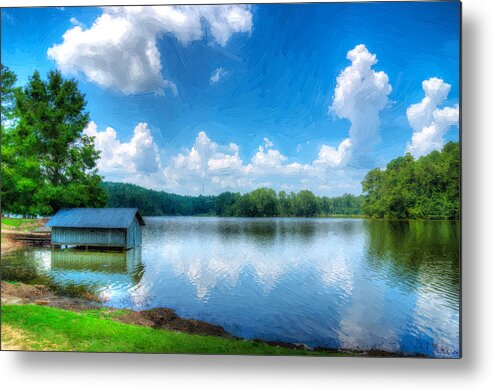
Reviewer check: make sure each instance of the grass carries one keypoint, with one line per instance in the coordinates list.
(21, 224)
(43, 328)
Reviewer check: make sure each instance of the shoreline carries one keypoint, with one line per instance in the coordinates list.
(329, 216)
(20, 294)
(8, 245)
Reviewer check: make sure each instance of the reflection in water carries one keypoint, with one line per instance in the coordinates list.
(324, 282)
(416, 250)
(98, 272)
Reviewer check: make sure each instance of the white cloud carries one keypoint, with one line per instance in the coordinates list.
(225, 20)
(211, 167)
(119, 50)
(331, 156)
(217, 75)
(75, 22)
(136, 159)
(271, 163)
(221, 168)
(206, 163)
(429, 122)
(268, 158)
(360, 94)
(268, 143)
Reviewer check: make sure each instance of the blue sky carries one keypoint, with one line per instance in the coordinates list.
(206, 99)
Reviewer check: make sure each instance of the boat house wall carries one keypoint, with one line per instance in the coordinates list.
(120, 228)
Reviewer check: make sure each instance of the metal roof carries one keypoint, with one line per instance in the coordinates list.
(111, 218)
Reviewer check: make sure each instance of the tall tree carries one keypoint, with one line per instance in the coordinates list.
(306, 204)
(19, 174)
(49, 135)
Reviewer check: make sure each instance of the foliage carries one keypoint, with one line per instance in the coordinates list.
(47, 160)
(7, 91)
(150, 202)
(51, 329)
(346, 204)
(262, 202)
(426, 188)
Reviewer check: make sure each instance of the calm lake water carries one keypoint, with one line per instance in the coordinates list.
(324, 282)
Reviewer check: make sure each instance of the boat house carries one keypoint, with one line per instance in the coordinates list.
(102, 227)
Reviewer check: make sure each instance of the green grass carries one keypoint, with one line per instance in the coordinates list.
(15, 222)
(45, 328)
(19, 223)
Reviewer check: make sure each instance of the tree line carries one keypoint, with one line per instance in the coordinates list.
(423, 188)
(262, 202)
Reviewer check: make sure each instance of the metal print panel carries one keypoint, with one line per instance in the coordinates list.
(285, 179)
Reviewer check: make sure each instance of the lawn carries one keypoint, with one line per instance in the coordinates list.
(21, 224)
(32, 327)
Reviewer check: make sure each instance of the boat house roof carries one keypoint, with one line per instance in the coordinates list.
(106, 218)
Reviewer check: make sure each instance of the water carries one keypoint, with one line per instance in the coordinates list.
(345, 283)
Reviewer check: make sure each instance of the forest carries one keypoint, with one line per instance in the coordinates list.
(262, 202)
(426, 188)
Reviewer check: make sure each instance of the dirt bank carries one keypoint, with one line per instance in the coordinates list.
(9, 231)
(162, 318)
(20, 293)
(159, 318)
(9, 244)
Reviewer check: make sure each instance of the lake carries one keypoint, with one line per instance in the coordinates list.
(349, 283)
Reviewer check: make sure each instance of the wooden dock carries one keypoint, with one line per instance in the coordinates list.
(30, 238)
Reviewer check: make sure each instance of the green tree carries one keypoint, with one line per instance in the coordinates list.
(7, 90)
(262, 202)
(224, 204)
(426, 188)
(266, 201)
(20, 174)
(306, 204)
(285, 207)
(55, 163)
